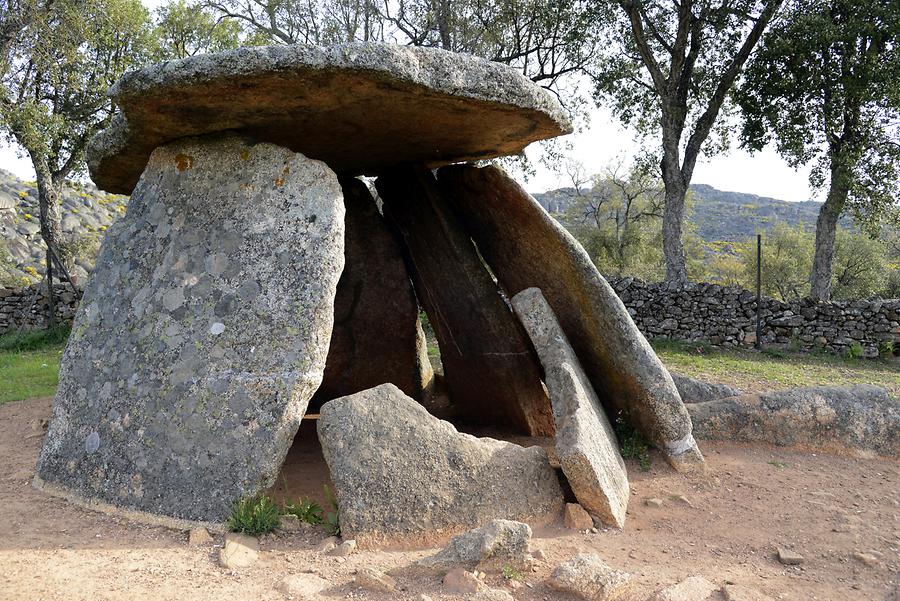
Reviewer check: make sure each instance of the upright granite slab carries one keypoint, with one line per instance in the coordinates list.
(526, 248)
(361, 108)
(377, 336)
(585, 441)
(489, 367)
(203, 331)
(403, 477)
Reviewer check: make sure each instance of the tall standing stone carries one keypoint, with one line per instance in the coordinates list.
(376, 317)
(586, 445)
(526, 248)
(490, 369)
(203, 331)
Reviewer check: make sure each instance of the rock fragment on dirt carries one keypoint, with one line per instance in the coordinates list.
(460, 581)
(289, 523)
(859, 420)
(203, 331)
(588, 577)
(585, 442)
(344, 549)
(694, 588)
(372, 439)
(737, 592)
(493, 594)
(326, 545)
(373, 580)
(653, 502)
(576, 518)
(494, 546)
(526, 248)
(239, 551)
(302, 587)
(198, 537)
(788, 557)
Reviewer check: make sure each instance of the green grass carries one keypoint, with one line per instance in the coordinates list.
(254, 516)
(754, 371)
(29, 363)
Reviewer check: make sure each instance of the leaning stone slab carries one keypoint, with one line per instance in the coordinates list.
(856, 420)
(202, 333)
(526, 248)
(346, 105)
(404, 477)
(491, 371)
(494, 546)
(585, 442)
(376, 336)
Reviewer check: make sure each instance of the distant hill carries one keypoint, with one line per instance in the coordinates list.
(717, 214)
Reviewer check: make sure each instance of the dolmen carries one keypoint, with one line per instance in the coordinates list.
(255, 278)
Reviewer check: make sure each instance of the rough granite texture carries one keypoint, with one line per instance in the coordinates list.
(402, 476)
(698, 391)
(588, 577)
(585, 441)
(377, 336)
(492, 373)
(526, 248)
(856, 420)
(202, 333)
(358, 107)
(494, 546)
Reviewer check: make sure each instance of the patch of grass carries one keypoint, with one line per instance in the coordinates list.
(631, 444)
(35, 340)
(510, 573)
(754, 371)
(254, 516)
(306, 511)
(332, 521)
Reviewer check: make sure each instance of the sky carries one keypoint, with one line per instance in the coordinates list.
(605, 143)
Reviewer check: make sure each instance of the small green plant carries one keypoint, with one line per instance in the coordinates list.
(631, 443)
(510, 573)
(332, 521)
(779, 464)
(886, 348)
(254, 516)
(306, 511)
(855, 351)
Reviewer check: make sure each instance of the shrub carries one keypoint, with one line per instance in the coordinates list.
(886, 348)
(254, 516)
(306, 511)
(855, 351)
(79, 249)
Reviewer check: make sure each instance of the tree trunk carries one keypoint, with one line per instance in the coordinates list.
(50, 218)
(826, 227)
(673, 214)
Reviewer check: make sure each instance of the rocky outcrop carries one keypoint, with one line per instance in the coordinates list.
(376, 336)
(586, 445)
(346, 105)
(526, 248)
(698, 391)
(202, 333)
(489, 367)
(495, 546)
(856, 420)
(403, 477)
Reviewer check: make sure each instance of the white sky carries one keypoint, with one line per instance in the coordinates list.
(606, 142)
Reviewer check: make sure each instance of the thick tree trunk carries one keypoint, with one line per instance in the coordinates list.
(673, 217)
(826, 227)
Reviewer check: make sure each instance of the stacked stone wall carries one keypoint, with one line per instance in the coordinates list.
(27, 308)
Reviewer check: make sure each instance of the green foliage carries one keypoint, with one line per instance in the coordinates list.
(254, 516)
(855, 351)
(29, 374)
(79, 249)
(860, 269)
(306, 511)
(510, 573)
(332, 522)
(7, 279)
(886, 348)
(631, 444)
(786, 261)
(184, 29)
(35, 340)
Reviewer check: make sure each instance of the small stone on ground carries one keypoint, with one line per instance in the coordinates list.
(302, 587)
(499, 544)
(695, 588)
(461, 581)
(198, 537)
(589, 577)
(576, 518)
(653, 502)
(240, 551)
(374, 580)
(344, 549)
(736, 592)
(788, 557)
(493, 594)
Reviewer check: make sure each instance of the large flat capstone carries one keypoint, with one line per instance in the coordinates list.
(585, 442)
(403, 476)
(526, 248)
(203, 331)
(359, 107)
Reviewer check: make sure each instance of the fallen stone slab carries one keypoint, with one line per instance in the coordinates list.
(587, 576)
(349, 106)
(404, 477)
(493, 375)
(202, 333)
(526, 248)
(494, 546)
(698, 391)
(377, 336)
(585, 443)
(857, 420)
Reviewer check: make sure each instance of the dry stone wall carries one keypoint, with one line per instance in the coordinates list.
(718, 315)
(726, 316)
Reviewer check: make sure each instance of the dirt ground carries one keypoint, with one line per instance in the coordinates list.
(726, 528)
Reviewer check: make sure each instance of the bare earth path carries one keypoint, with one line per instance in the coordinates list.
(753, 499)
